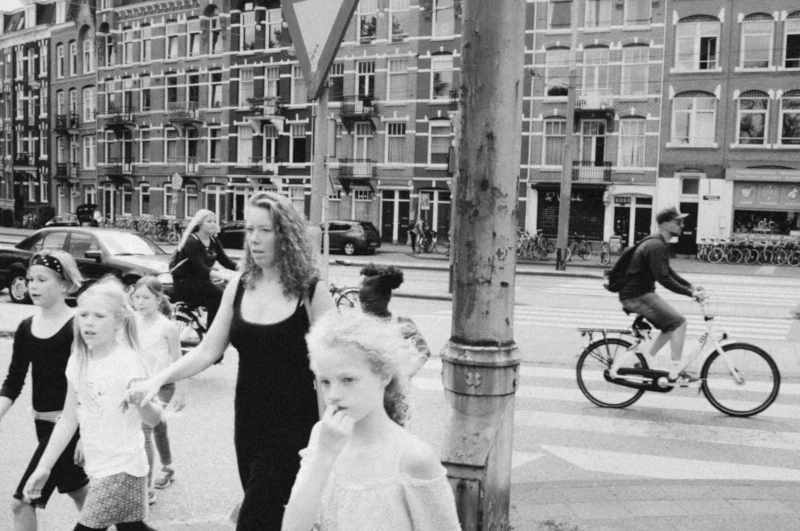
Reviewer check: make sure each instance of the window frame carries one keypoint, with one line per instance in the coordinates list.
(792, 95)
(693, 121)
(391, 134)
(550, 54)
(742, 112)
(697, 37)
(562, 123)
(449, 60)
(638, 140)
(791, 27)
(743, 41)
(631, 68)
(432, 125)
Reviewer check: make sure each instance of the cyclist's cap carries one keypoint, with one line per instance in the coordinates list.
(669, 214)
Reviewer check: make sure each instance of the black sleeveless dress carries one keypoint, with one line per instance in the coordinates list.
(275, 409)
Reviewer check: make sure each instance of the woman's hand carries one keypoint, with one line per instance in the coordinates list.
(335, 430)
(179, 400)
(143, 391)
(36, 482)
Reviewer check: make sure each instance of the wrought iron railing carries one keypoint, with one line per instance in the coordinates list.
(359, 106)
(357, 168)
(588, 171)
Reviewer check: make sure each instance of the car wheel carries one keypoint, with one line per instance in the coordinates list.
(349, 248)
(18, 288)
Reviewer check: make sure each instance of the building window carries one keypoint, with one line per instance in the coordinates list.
(756, 49)
(89, 152)
(247, 33)
(73, 58)
(146, 101)
(560, 14)
(215, 199)
(273, 27)
(73, 100)
(173, 32)
(215, 90)
(297, 151)
(556, 72)
(297, 196)
(595, 68)
(696, 43)
(632, 141)
(690, 186)
(244, 145)
(171, 146)
(637, 12)
(271, 77)
(111, 54)
(172, 89)
(694, 118)
(169, 206)
(44, 60)
(635, 67)
(398, 16)
(144, 147)
(89, 103)
(439, 143)
(753, 113)
(397, 79)
(144, 199)
(214, 144)
(88, 55)
(367, 21)
(598, 13)
(362, 141)
(193, 27)
(127, 199)
(127, 48)
(555, 134)
(246, 86)
(792, 41)
(146, 46)
(60, 102)
(444, 19)
(365, 79)
(395, 142)
(190, 200)
(790, 118)
(215, 36)
(299, 95)
(59, 61)
(441, 76)
(270, 144)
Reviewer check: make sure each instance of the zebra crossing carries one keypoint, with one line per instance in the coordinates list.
(676, 435)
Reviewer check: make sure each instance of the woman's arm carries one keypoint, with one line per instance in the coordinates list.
(182, 387)
(150, 413)
(321, 303)
(17, 371)
(222, 257)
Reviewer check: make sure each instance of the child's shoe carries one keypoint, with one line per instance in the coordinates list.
(164, 478)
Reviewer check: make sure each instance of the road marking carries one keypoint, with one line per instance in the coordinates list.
(523, 458)
(651, 466)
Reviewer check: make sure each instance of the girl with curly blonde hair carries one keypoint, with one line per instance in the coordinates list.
(361, 469)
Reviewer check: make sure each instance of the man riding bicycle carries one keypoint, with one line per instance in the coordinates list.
(650, 263)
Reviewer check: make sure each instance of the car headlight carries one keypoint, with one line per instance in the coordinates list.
(165, 278)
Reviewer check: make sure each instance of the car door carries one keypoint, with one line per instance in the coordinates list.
(78, 245)
(336, 233)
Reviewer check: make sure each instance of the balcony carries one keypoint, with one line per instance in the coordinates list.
(117, 167)
(357, 171)
(596, 98)
(358, 109)
(265, 107)
(183, 112)
(67, 171)
(264, 165)
(587, 171)
(189, 164)
(24, 159)
(65, 122)
(120, 117)
(31, 120)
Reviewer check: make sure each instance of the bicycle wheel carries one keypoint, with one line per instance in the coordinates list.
(442, 245)
(594, 363)
(189, 330)
(348, 301)
(567, 254)
(585, 251)
(758, 385)
(717, 254)
(605, 257)
(765, 257)
(752, 257)
(779, 257)
(794, 259)
(173, 237)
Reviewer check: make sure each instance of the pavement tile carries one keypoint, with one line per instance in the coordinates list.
(653, 508)
(539, 512)
(646, 524)
(761, 507)
(637, 492)
(742, 492)
(706, 507)
(784, 493)
(715, 523)
(595, 494)
(690, 492)
(599, 510)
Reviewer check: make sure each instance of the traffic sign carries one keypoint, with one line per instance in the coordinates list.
(317, 28)
(177, 181)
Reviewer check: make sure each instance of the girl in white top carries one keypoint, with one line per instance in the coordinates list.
(362, 469)
(161, 345)
(103, 364)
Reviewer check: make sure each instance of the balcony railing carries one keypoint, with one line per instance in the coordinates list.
(121, 115)
(24, 159)
(65, 122)
(357, 168)
(31, 120)
(182, 111)
(587, 171)
(267, 106)
(359, 106)
(595, 98)
(118, 166)
(67, 169)
(267, 165)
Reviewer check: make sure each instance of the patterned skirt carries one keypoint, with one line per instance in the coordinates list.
(114, 500)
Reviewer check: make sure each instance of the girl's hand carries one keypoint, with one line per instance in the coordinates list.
(36, 482)
(335, 430)
(142, 391)
(179, 401)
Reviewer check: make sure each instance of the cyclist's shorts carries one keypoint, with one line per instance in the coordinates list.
(656, 310)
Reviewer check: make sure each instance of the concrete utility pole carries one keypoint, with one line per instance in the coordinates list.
(562, 240)
(319, 177)
(481, 361)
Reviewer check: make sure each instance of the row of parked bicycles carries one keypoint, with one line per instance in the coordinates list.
(163, 229)
(783, 251)
(539, 247)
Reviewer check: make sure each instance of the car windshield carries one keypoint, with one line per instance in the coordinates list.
(368, 225)
(126, 243)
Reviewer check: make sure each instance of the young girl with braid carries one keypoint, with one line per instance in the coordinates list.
(104, 363)
(361, 469)
(42, 343)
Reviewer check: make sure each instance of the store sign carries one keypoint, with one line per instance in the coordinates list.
(766, 195)
(742, 174)
(424, 202)
(711, 198)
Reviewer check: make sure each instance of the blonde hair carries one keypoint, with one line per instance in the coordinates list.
(381, 344)
(198, 218)
(70, 274)
(295, 256)
(112, 290)
(156, 288)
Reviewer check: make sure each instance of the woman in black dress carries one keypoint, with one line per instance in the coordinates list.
(266, 312)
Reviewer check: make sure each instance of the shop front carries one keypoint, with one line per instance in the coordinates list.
(766, 203)
(587, 210)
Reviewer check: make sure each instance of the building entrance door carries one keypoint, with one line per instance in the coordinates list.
(687, 241)
(395, 208)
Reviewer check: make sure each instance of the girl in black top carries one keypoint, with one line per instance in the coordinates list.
(266, 312)
(193, 278)
(43, 342)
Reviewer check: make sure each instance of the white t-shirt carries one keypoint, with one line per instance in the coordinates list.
(154, 344)
(111, 434)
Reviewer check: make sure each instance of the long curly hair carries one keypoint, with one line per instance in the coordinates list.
(388, 277)
(295, 256)
(382, 345)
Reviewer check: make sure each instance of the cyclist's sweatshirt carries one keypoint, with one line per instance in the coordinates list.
(650, 263)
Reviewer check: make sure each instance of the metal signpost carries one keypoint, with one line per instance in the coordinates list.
(317, 28)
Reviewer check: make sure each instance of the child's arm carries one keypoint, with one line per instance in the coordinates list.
(182, 387)
(65, 428)
(150, 412)
(333, 432)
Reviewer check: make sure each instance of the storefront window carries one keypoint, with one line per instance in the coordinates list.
(790, 118)
(766, 209)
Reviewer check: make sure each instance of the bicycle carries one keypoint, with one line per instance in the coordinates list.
(738, 379)
(579, 246)
(191, 324)
(605, 253)
(346, 299)
(175, 234)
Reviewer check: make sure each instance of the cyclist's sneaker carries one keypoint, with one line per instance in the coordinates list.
(684, 379)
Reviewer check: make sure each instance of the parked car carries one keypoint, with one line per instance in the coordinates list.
(231, 234)
(351, 236)
(88, 214)
(98, 251)
(64, 220)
